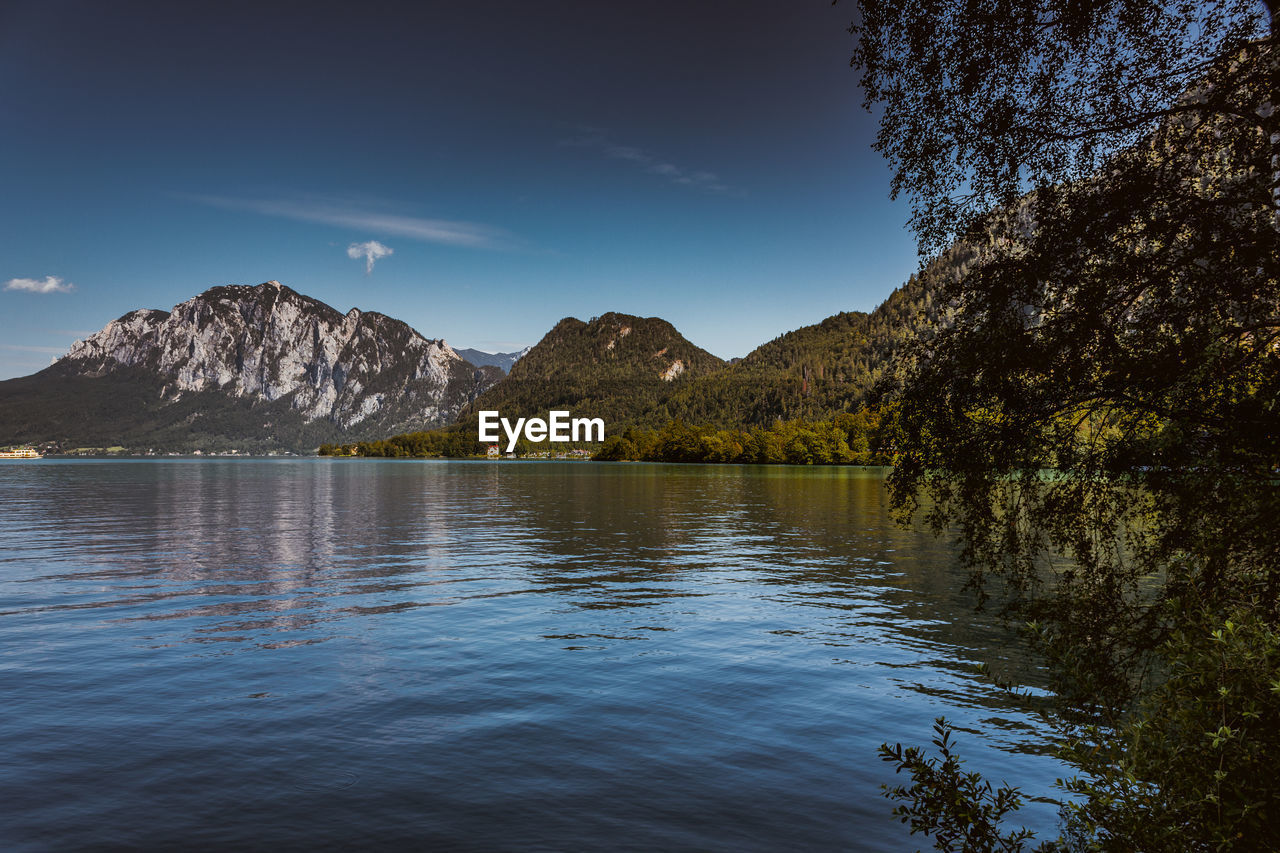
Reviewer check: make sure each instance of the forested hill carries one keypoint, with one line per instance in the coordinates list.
(817, 371)
(641, 372)
(616, 367)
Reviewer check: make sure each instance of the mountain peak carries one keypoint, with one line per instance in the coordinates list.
(616, 365)
(270, 343)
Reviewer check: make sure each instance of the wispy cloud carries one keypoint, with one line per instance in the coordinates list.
(43, 350)
(596, 139)
(370, 251)
(330, 212)
(48, 284)
(73, 333)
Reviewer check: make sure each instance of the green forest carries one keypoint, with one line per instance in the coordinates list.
(449, 443)
(848, 439)
(616, 367)
(851, 438)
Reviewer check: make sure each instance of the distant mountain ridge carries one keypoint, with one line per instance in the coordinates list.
(500, 360)
(293, 370)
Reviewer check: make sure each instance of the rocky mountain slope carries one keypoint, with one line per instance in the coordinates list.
(268, 367)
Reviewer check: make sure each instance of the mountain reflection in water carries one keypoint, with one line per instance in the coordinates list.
(292, 653)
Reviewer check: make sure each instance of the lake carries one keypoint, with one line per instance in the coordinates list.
(325, 653)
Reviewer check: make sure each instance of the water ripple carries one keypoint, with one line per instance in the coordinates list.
(286, 653)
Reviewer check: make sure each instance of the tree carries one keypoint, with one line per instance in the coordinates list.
(1109, 390)
(982, 100)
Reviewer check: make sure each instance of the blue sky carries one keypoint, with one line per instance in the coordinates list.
(705, 162)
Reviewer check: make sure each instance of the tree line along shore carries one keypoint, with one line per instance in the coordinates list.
(864, 437)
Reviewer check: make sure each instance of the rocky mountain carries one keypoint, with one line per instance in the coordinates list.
(615, 366)
(255, 367)
(500, 360)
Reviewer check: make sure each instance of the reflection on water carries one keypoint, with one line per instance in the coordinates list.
(476, 656)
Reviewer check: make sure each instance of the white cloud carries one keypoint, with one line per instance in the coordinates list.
(73, 333)
(628, 152)
(45, 350)
(370, 251)
(596, 138)
(336, 212)
(48, 284)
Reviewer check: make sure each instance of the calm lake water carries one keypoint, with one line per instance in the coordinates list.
(303, 654)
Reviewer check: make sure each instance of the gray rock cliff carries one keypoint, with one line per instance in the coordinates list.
(357, 371)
